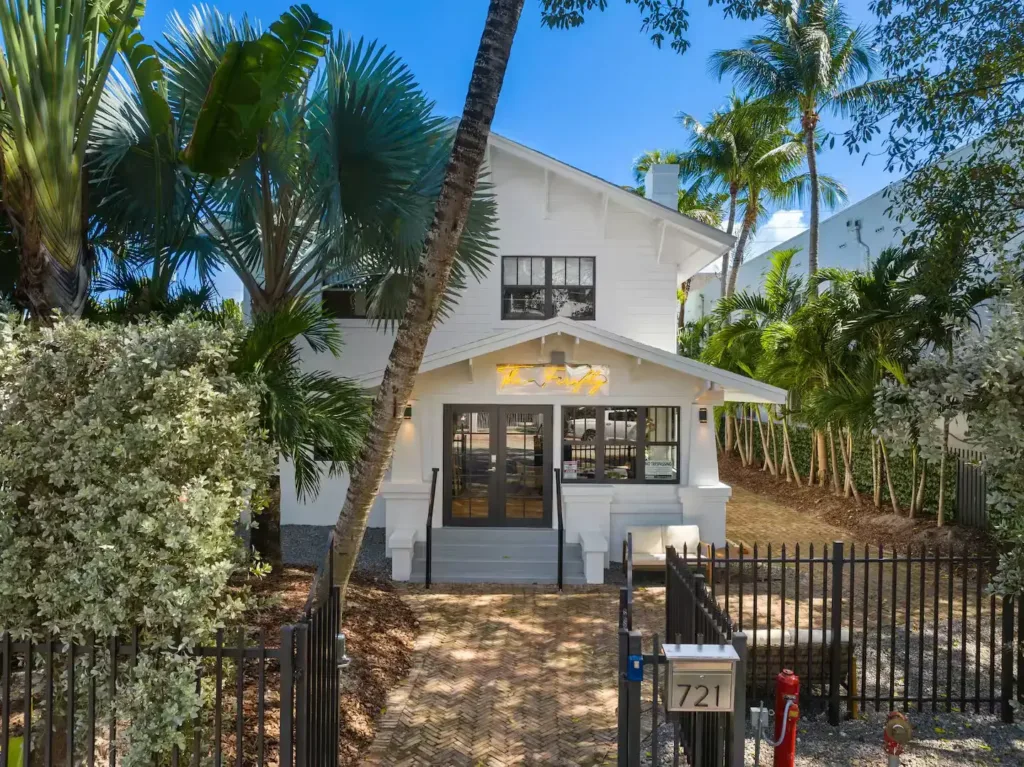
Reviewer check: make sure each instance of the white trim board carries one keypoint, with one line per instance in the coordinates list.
(738, 388)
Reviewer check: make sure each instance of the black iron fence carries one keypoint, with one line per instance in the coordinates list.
(971, 489)
(262, 700)
(692, 617)
(866, 627)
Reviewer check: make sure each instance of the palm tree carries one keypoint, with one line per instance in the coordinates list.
(718, 158)
(55, 62)
(746, 324)
(696, 200)
(810, 58)
(429, 281)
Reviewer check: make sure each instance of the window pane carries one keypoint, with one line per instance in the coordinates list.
(344, 303)
(524, 271)
(538, 271)
(661, 454)
(661, 464)
(509, 277)
(579, 442)
(557, 271)
(586, 271)
(575, 303)
(523, 302)
(572, 271)
(620, 443)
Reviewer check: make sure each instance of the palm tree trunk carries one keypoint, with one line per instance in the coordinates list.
(942, 472)
(809, 124)
(749, 220)
(814, 453)
(846, 450)
(921, 486)
(822, 458)
(430, 282)
(684, 293)
(832, 457)
(728, 432)
(913, 481)
(788, 452)
(888, 478)
(876, 478)
(766, 446)
(733, 193)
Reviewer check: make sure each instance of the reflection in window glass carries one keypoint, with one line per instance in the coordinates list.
(536, 287)
(620, 443)
(579, 442)
(661, 445)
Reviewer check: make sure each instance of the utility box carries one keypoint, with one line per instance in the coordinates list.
(701, 677)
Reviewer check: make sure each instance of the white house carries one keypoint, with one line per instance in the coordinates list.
(562, 357)
(849, 239)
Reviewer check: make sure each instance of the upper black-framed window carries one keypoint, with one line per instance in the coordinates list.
(344, 302)
(541, 287)
(621, 443)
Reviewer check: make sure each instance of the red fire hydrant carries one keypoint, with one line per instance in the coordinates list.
(896, 736)
(787, 717)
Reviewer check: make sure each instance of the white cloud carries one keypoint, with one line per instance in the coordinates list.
(781, 226)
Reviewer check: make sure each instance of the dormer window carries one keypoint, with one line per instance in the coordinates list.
(542, 287)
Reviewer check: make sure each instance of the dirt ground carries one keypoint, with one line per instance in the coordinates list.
(766, 500)
(380, 629)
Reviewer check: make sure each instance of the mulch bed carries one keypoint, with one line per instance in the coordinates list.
(380, 629)
(866, 524)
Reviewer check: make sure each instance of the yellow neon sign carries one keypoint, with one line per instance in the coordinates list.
(590, 380)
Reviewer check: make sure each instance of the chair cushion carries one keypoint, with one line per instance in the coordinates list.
(643, 558)
(683, 535)
(646, 540)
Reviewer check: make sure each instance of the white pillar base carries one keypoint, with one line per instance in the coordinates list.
(401, 544)
(704, 506)
(595, 548)
(588, 510)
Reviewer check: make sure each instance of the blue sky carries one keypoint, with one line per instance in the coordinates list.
(594, 97)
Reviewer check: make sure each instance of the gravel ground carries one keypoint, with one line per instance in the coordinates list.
(306, 544)
(940, 740)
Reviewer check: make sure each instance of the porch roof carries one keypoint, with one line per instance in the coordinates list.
(735, 387)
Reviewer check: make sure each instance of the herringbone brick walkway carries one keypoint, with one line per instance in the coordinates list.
(509, 676)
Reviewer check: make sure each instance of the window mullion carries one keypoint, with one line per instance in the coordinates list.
(641, 439)
(548, 299)
(599, 444)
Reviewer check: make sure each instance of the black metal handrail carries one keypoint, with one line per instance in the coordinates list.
(561, 525)
(430, 523)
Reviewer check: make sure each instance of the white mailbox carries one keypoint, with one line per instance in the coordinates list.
(701, 677)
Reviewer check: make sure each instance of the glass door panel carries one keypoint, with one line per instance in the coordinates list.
(524, 467)
(471, 459)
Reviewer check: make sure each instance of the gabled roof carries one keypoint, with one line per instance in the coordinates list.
(737, 388)
(708, 242)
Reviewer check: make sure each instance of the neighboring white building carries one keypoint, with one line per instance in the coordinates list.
(563, 356)
(850, 239)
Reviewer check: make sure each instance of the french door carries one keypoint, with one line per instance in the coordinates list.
(497, 465)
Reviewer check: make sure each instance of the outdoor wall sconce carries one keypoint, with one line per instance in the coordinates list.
(702, 415)
(407, 415)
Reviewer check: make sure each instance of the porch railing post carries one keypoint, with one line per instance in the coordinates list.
(737, 751)
(287, 695)
(835, 656)
(1006, 683)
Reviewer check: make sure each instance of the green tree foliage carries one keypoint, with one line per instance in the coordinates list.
(954, 91)
(982, 381)
(128, 455)
(810, 58)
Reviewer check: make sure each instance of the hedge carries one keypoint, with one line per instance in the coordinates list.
(901, 467)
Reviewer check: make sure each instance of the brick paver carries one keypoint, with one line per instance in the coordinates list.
(509, 675)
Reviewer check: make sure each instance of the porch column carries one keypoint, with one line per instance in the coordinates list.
(704, 497)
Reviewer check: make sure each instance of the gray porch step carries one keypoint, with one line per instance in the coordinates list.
(498, 555)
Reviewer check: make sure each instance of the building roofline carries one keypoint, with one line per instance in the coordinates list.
(738, 388)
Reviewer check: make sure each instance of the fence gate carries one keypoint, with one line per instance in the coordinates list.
(695, 739)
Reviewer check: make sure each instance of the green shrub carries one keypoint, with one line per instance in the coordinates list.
(127, 456)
